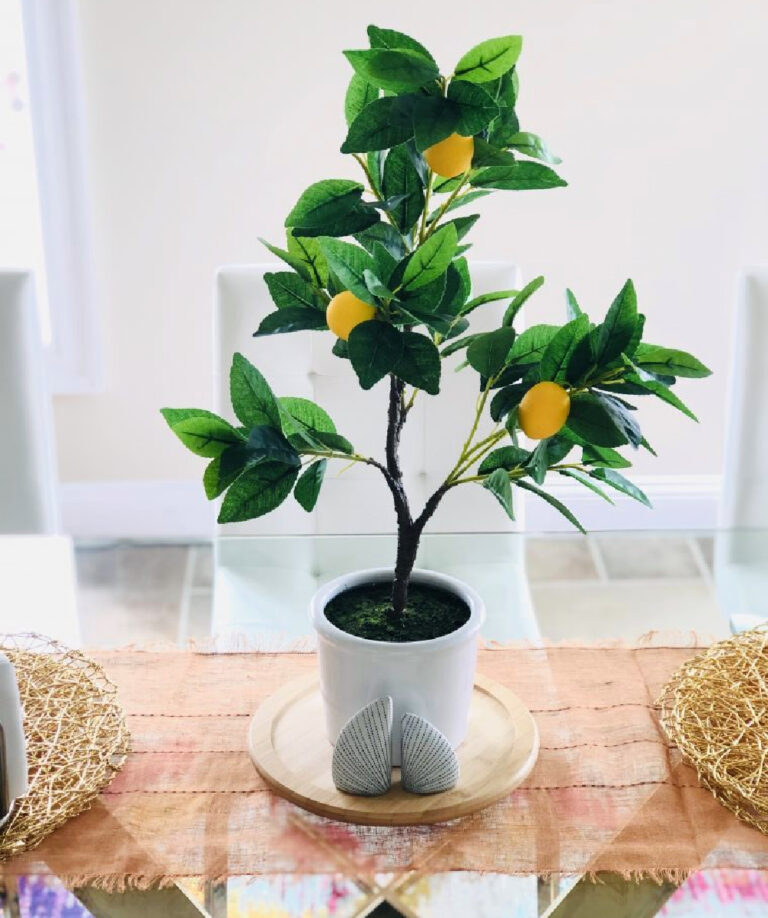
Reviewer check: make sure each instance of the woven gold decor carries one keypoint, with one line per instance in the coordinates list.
(76, 737)
(715, 709)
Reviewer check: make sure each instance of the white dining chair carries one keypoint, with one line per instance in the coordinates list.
(28, 480)
(356, 500)
(741, 546)
(37, 569)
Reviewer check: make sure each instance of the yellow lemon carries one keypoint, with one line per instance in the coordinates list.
(452, 156)
(543, 410)
(345, 311)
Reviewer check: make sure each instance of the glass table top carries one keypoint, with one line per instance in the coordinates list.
(552, 587)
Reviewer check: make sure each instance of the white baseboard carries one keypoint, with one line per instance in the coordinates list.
(678, 502)
(179, 510)
(136, 510)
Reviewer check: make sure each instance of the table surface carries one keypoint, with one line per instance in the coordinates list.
(537, 587)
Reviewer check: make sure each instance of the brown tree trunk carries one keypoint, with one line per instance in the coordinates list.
(408, 530)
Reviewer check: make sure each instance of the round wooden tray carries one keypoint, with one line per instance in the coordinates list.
(289, 747)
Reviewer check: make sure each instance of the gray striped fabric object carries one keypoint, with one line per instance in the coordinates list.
(429, 764)
(362, 756)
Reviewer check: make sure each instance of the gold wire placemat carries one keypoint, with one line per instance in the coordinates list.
(76, 737)
(715, 710)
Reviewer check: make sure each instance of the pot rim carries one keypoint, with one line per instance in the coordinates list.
(328, 630)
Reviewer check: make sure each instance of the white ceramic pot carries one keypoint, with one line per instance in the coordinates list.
(432, 678)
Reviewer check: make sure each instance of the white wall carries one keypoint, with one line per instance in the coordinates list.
(208, 117)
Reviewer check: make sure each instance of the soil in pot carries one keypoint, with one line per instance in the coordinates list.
(366, 612)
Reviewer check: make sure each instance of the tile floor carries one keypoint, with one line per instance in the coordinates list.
(583, 588)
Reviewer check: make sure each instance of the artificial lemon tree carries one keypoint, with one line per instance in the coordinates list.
(379, 267)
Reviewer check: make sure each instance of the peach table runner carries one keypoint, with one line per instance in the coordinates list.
(607, 794)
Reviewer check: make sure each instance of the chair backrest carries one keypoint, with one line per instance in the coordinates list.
(744, 500)
(28, 498)
(357, 500)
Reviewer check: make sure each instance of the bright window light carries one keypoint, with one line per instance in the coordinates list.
(21, 240)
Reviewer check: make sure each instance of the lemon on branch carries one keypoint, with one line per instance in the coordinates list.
(452, 156)
(345, 311)
(544, 410)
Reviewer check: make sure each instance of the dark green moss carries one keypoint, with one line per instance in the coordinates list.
(366, 611)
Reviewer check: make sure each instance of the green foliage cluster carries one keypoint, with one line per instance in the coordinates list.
(397, 242)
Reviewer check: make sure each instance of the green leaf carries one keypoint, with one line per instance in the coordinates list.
(252, 399)
(307, 250)
(507, 125)
(257, 491)
(498, 484)
(266, 443)
(458, 286)
(460, 201)
(359, 94)
(572, 308)
(323, 203)
(558, 448)
(398, 70)
(375, 349)
(463, 224)
(383, 234)
(333, 442)
(296, 263)
(384, 123)
(552, 501)
(216, 480)
(654, 387)
(419, 364)
(431, 258)
(520, 300)
(486, 154)
(476, 109)
(530, 345)
(434, 119)
(297, 414)
(507, 399)
(488, 353)
(288, 289)
(460, 343)
(360, 218)
(623, 417)
(487, 298)
(555, 359)
(620, 483)
(519, 176)
(490, 59)
(616, 331)
(427, 298)
(506, 457)
(389, 38)
(656, 359)
(340, 349)
(307, 488)
(291, 319)
(374, 161)
(402, 178)
(349, 263)
(603, 457)
(202, 432)
(584, 480)
(538, 463)
(590, 418)
(383, 262)
(533, 146)
(374, 284)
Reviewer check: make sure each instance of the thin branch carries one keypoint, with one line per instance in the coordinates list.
(445, 205)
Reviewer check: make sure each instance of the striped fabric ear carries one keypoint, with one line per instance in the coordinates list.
(362, 756)
(429, 764)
